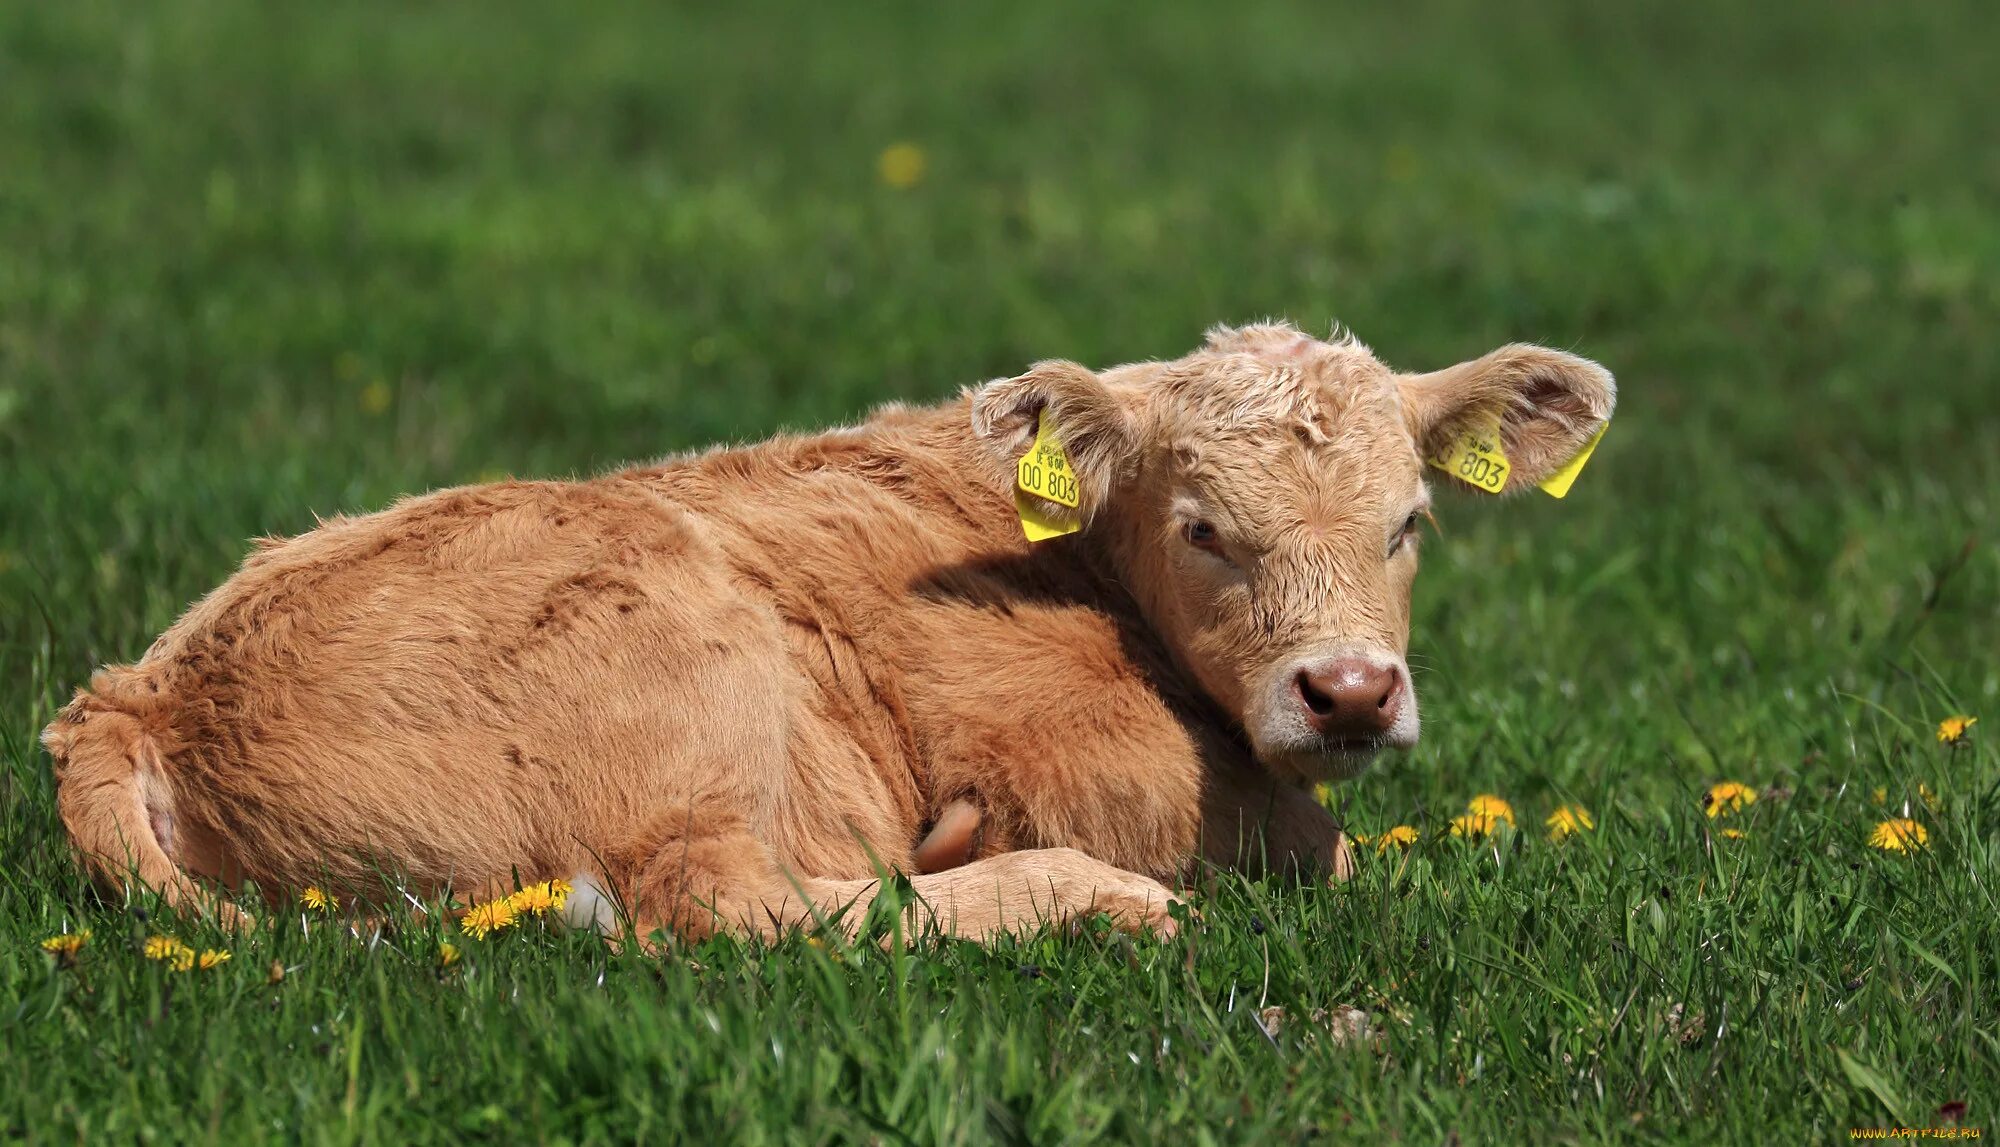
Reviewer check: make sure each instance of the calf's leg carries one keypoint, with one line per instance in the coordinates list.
(697, 880)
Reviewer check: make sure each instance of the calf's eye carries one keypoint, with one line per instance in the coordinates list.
(1202, 536)
(1403, 535)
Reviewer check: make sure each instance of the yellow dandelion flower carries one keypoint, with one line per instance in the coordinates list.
(1491, 807)
(319, 900)
(540, 899)
(532, 900)
(1952, 730)
(901, 165)
(487, 918)
(1359, 839)
(212, 958)
(1725, 797)
(1472, 825)
(447, 954)
(1733, 834)
(557, 892)
(1401, 836)
(1878, 795)
(170, 952)
(1899, 834)
(1323, 793)
(375, 397)
(1569, 820)
(67, 944)
(1929, 798)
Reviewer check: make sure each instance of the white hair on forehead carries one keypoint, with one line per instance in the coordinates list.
(1270, 377)
(1245, 392)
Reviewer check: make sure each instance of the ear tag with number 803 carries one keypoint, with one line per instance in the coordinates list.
(1476, 457)
(1044, 472)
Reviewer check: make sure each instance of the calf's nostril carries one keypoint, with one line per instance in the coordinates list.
(1309, 692)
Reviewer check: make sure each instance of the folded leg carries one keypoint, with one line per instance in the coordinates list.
(718, 877)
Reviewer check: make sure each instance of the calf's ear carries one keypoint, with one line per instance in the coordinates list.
(1547, 405)
(1095, 424)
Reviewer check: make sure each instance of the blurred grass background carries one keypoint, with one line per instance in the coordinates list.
(265, 262)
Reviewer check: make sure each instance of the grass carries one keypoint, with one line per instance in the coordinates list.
(263, 262)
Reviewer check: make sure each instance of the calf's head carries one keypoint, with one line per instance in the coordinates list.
(1261, 498)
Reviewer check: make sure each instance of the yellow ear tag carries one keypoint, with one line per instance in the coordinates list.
(1557, 484)
(1044, 472)
(1475, 456)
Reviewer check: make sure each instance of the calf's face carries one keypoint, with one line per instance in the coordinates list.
(1261, 499)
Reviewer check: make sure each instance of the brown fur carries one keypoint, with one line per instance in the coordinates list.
(728, 687)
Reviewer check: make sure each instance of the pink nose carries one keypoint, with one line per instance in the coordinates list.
(1350, 698)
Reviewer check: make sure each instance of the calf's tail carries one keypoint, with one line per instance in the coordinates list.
(112, 794)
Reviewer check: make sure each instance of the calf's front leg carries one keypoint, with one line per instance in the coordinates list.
(1020, 891)
(728, 881)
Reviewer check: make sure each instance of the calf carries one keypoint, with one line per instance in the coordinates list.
(725, 690)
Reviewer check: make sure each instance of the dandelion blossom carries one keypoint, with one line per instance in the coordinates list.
(487, 918)
(1899, 834)
(319, 900)
(67, 944)
(901, 165)
(1952, 730)
(1929, 798)
(1878, 795)
(531, 901)
(1733, 834)
(1492, 808)
(540, 899)
(1725, 797)
(1402, 836)
(212, 958)
(170, 952)
(1569, 820)
(1472, 825)
(447, 954)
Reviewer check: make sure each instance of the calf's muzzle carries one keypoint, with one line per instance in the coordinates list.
(1352, 698)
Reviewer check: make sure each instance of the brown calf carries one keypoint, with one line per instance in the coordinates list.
(722, 689)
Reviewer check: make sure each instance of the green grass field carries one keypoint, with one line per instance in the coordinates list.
(263, 262)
